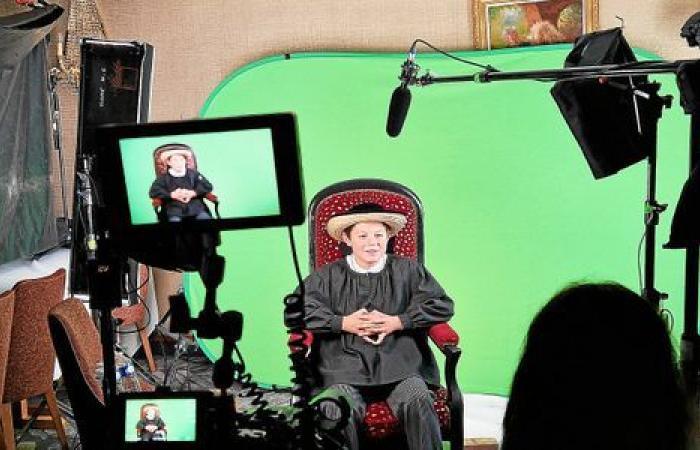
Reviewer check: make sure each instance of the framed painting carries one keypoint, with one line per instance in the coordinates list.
(499, 23)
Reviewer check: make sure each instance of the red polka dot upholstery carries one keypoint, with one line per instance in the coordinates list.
(328, 250)
(380, 422)
(442, 409)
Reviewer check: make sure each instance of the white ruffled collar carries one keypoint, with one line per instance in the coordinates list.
(352, 263)
(177, 174)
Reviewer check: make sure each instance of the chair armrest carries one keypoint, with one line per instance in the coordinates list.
(447, 340)
(442, 334)
(307, 338)
(215, 200)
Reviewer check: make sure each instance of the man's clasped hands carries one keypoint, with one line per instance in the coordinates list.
(183, 195)
(372, 326)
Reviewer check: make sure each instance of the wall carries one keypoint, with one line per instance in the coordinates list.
(199, 43)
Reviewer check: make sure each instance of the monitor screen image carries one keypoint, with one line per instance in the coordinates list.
(160, 184)
(181, 170)
(160, 420)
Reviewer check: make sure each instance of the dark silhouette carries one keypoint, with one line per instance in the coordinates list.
(598, 372)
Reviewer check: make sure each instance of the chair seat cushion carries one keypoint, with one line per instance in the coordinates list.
(380, 422)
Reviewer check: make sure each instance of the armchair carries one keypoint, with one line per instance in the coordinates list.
(7, 303)
(31, 356)
(380, 423)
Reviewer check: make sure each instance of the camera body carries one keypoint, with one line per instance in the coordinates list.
(247, 169)
(165, 420)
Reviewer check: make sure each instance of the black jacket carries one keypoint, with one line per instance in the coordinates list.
(193, 180)
(403, 288)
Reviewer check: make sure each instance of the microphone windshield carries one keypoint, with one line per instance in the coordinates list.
(398, 108)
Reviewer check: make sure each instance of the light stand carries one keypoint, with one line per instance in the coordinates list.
(104, 274)
(685, 233)
(652, 208)
(690, 338)
(109, 380)
(58, 146)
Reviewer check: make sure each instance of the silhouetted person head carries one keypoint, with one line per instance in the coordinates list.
(598, 372)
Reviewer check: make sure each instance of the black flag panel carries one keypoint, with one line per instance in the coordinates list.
(602, 114)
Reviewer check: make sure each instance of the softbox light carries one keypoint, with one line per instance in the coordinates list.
(685, 228)
(602, 116)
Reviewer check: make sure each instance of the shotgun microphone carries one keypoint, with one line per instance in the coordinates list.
(401, 98)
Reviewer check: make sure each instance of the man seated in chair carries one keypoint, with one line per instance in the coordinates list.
(369, 312)
(180, 188)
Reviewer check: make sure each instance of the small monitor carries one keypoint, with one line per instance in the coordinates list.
(162, 420)
(214, 174)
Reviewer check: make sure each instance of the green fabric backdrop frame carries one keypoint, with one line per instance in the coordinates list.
(513, 213)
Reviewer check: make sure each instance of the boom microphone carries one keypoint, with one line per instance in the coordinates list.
(401, 98)
(398, 109)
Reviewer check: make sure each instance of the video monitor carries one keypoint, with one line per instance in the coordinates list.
(163, 420)
(209, 174)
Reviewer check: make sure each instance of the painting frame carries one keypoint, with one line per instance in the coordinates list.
(481, 21)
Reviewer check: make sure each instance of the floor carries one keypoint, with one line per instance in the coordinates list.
(191, 370)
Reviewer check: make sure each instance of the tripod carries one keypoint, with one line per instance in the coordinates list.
(690, 357)
(211, 324)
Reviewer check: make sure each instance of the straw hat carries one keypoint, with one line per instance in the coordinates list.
(365, 212)
(168, 150)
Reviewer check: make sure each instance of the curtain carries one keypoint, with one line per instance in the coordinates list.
(27, 223)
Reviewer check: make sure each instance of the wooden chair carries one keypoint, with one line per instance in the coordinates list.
(7, 434)
(78, 349)
(31, 356)
(380, 425)
(135, 314)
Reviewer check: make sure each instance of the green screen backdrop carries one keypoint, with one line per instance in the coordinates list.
(512, 212)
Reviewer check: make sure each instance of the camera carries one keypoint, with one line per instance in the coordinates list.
(232, 173)
(165, 192)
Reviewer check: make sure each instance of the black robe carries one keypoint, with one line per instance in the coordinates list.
(192, 180)
(403, 288)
